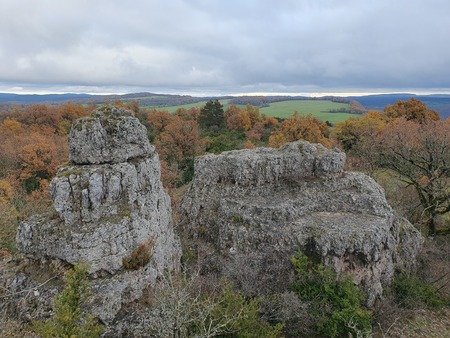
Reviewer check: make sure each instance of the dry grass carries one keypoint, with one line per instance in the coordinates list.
(433, 268)
(419, 323)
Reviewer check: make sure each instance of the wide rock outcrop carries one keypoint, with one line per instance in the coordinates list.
(108, 202)
(253, 209)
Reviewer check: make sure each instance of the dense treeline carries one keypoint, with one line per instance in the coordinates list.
(33, 143)
(408, 141)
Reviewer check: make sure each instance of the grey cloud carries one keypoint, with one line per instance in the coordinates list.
(226, 45)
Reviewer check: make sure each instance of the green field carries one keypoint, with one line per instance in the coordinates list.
(318, 108)
(284, 109)
(172, 109)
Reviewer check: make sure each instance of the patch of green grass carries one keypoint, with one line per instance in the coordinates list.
(71, 171)
(284, 109)
(318, 108)
(172, 109)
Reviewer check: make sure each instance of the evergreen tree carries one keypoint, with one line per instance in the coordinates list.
(211, 115)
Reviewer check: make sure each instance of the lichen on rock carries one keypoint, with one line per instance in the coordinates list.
(258, 207)
(110, 135)
(107, 202)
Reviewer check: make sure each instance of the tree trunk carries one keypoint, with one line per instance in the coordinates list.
(432, 227)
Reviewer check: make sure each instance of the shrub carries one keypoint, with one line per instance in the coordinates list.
(140, 256)
(336, 304)
(181, 309)
(410, 292)
(68, 320)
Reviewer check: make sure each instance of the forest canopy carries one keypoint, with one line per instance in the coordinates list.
(406, 140)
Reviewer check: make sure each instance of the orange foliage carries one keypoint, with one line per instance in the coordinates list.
(253, 114)
(297, 127)
(352, 133)
(168, 175)
(249, 145)
(237, 119)
(69, 113)
(412, 109)
(158, 119)
(40, 115)
(257, 131)
(188, 114)
(9, 127)
(6, 191)
(38, 156)
(255, 125)
(33, 143)
(179, 141)
(270, 122)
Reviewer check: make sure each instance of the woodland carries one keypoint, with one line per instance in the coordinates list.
(405, 148)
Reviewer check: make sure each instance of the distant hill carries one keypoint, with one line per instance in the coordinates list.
(438, 102)
(35, 98)
(144, 99)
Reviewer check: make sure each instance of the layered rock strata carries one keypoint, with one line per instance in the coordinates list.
(253, 209)
(108, 201)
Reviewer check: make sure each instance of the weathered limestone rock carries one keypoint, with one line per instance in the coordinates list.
(108, 136)
(107, 202)
(253, 209)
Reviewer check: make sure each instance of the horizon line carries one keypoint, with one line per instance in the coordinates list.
(238, 94)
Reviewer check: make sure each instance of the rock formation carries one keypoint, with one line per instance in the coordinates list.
(245, 214)
(253, 209)
(107, 202)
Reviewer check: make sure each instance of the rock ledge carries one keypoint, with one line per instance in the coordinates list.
(253, 209)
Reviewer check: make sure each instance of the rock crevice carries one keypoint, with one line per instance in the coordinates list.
(263, 205)
(107, 201)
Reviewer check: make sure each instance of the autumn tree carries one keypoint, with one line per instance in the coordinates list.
(356, 136)
(237, 119)
(256, 126)
(356, 108)
(253, 113)
(177, 140)
(31, 152)
(188, 114)
(40, 115)
(212, 115)
(419, 153)
(352, 132)
(38, 159)
(412, 109)
(11, 137)
(298, 127)
(156, 121)
(130, 105)
(69, 113)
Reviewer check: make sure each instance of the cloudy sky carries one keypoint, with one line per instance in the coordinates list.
(208, 47)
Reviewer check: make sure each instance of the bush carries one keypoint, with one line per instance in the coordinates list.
(336, 304)
(410, 292)
(68, 320)
(140, 256)
(180, 309)
(218, 143)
